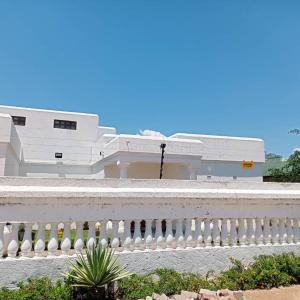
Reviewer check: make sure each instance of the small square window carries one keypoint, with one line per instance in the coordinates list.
(234, 177)
(19, 121)
(209, 177)
(58, 155)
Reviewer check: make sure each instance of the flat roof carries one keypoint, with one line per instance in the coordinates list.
(48, 110)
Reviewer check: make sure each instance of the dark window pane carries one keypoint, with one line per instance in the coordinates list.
(63, 124)
(20, 121)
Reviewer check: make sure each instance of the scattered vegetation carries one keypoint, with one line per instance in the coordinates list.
(266, 271)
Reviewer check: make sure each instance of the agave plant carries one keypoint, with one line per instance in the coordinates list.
(95, 270)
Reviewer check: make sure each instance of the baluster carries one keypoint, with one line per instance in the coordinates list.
(233, 233)
(250, 232)
(267, 231)
(91, 243)
(169, 234)
(160, 240)
(198, 233)
(137, 235)
(207, 233)
(114, 238)
(216, 233)
(179, 234)
(274, 231)
(66, 240)
(103, 233)
(296, 231)
(53, 241)
(282, 231)
(39, 246)
(289, 229)
(258, 232)
(13, 245)
(127, 240)
(148, 235)
(189, 241)
(1, 239)
(26, 245)
(224, 233)
(79, 242)
(242, 232)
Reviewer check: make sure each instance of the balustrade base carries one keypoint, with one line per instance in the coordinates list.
(199, 260)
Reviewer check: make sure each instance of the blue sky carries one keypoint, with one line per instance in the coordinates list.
(211, 67)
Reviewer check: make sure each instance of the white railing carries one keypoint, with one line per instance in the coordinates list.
(51, 239)
(64, 217)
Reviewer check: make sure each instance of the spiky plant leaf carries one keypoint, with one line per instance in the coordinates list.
(96, 269)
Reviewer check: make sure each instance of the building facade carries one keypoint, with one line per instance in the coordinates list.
(45, 143)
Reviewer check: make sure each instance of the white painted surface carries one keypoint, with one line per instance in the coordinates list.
(201, 260)
(93, 151)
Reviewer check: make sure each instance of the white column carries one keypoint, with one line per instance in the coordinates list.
(216, 233)
(289, 229)
(242, 237)
(160, 241)
(114, 238)
(267, 231)
(53, 241)
(179, 234)
(91, 243)
(296, 231)
(103, 233)
(13, 245)
(169, 234)
(282, 231)
(123, 166)
(66, 239)
(198, 233)
(274, 231)
(1, 239)
(207, 233)
(39, 246)
(137, 235)
(189, 241)
(148, 235)
(26, 245)
(250, 232)
(127, 240)
(258, 232)
(224, 233)
(79, 242)
(233, 232)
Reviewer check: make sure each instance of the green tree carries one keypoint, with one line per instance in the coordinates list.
(290, 172)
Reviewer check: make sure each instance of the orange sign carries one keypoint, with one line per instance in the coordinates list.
(247, 164)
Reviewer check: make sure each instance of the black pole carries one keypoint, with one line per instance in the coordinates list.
(162, 147)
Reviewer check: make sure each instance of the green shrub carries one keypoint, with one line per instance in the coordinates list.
(37, 289)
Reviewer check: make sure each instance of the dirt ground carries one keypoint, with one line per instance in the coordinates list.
(286, 293)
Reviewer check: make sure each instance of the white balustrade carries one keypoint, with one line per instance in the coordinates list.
(79, 241)
(39, 246)
(130, 235)
(66, 239)
(91, 243)
(179, 237)
(233, 233)
(242, 237)
(53, 241)
(26, 245)
(1, 239)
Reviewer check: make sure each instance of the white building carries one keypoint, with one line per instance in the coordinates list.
(44, 143)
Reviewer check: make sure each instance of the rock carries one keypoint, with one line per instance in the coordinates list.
(149, 298)
(189, 295)
(208, 295)
(238, 295)
(177, 297)
(155, 296)
(163, 297)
